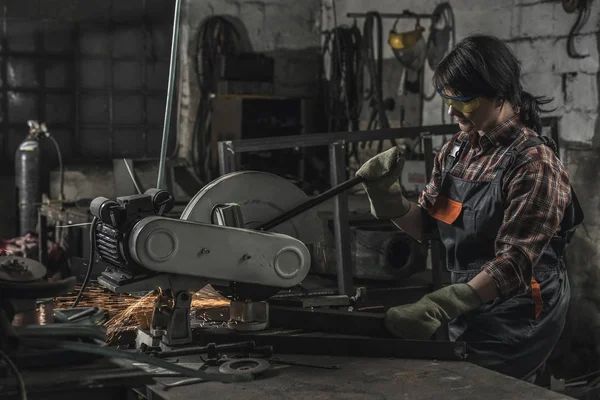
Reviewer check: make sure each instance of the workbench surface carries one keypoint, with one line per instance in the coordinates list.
(364, 379)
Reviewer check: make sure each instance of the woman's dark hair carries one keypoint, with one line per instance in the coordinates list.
(483, 65)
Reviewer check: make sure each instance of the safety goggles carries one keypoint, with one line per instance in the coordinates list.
(460, 104)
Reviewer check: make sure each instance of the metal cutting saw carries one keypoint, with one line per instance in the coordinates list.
(220, 239)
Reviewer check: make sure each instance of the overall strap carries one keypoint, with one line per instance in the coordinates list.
(573, 216)
(454, 155)
(557, 242)
(513, 153)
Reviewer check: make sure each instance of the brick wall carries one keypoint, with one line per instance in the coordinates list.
(537, 32)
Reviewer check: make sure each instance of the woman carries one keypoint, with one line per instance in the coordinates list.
(504, 210)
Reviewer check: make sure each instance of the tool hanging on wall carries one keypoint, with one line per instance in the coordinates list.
(442, 37)
(374, 61)
(570, 6)
(343, 92)
(345, 84)
(409, 49)
(216, 36)
(373, 54)
(442, 34)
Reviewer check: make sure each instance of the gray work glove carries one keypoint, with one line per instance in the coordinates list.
(420, 320)
(382, 174)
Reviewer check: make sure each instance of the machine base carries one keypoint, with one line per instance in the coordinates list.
(248, 316)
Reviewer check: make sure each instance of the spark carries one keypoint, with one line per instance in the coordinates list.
(127, 312)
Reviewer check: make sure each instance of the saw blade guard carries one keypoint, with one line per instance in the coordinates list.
(261, 197)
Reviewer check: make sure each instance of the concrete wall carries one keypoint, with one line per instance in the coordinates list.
(537, 31)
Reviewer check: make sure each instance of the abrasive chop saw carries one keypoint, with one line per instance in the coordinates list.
(216, 241)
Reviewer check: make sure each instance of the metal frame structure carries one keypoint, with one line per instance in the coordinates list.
(228, 150)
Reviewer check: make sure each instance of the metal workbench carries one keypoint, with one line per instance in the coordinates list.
(364, 379)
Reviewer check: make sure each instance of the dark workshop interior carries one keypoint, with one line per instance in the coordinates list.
(340, 149)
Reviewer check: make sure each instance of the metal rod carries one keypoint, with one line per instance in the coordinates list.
(341, 222)
(137, 187)
(227, 158)
(325, 320)
(428, 154)
(438, 264)
(165, 137)
(189, 351)
(404, 14)
(351, 346)
(325, 139)
(307, 205)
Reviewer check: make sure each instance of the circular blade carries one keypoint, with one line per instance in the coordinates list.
(261, 197)
(252, 366)
(20, 269)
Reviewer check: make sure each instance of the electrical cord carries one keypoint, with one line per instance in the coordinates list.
(91, 260)
(216, 36)
(374, 61)
(343, 92)
(17, 373)
(343, 88)
(373, 54)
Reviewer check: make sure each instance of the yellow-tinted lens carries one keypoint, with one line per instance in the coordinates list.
(463, 106)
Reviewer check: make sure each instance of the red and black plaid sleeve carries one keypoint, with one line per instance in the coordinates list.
(537, 194)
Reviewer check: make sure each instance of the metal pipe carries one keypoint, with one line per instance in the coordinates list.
(312, 202)
(189, 351)
(341, 222)
(173, 64)
(405, 14)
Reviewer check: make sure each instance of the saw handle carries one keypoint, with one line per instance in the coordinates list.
(310, 203)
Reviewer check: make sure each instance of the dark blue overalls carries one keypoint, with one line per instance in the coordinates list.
(515, 335)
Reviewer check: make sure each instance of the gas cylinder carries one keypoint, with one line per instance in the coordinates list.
(28, 178)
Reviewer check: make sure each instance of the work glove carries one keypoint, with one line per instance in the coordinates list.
(420, 320)
(381, 174)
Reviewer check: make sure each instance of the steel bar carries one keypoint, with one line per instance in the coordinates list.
(405, 14)
(227, 158)
(109, 65)
(325, 139)
(428, 152)
(343, 252)
(437, 261)
(160, 183)
(188, 351)
(312, 202)
(328, 321)
(334, 345)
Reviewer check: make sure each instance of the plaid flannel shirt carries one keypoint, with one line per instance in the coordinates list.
(536, 191)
